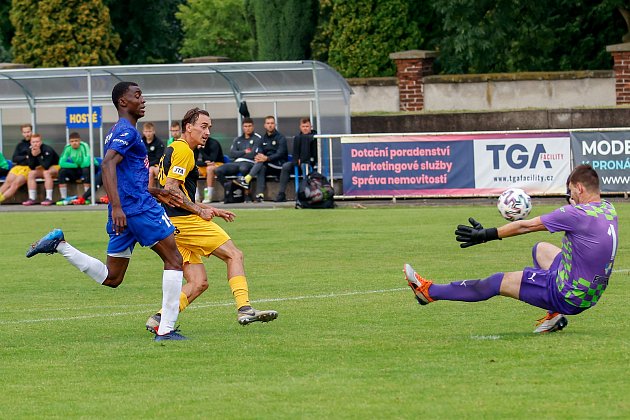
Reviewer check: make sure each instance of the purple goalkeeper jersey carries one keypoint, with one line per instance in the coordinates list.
(588, 250)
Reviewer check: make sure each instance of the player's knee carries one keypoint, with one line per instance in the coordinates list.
(235, 254)
(174, 262)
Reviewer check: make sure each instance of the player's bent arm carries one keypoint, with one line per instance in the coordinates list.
(226, 215)
(110, 182)
(521, 227)
(166, 197)
(173, 186)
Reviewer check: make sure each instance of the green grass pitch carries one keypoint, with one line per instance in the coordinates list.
(350, 341)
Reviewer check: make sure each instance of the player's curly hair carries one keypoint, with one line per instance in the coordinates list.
(119, 90)
(586, 175)
(192, 116)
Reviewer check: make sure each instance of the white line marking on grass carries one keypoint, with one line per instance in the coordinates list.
(200, 306)
(485, 337)
(217, 304)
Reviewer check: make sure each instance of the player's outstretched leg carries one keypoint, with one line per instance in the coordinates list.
(54, 242)
(462, 290)
(419, 285)
(46, 245)
(551, 322)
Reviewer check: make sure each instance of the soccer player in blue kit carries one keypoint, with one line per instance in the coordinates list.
(134, 215)
(563, 281)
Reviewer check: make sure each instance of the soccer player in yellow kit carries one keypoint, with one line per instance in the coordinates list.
(196, 234)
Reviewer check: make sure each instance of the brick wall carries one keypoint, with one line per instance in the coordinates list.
(621, 58)
(411, 67)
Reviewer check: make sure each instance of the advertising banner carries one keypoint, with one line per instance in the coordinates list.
(608, 152)
(455, 164)
(539, 163)
(414, 165)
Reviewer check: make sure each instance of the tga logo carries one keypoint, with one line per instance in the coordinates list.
(517, 156)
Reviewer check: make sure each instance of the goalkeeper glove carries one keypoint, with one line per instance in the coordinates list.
(475, 234)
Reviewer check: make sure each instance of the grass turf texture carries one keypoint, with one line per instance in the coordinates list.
(350, 341)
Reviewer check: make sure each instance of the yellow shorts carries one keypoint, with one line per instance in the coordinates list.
(20, 170)
(53, 168)
(203, 170)
(196, 237)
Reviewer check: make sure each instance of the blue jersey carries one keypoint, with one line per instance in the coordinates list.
(132, 172)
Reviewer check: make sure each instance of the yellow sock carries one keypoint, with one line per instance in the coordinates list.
(183, 303)
(248, 178)
(1, 197)
(238, 284)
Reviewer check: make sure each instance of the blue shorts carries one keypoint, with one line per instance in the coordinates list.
(146, 228)
(538, 288)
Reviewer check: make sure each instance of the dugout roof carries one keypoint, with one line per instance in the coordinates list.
(309, 81)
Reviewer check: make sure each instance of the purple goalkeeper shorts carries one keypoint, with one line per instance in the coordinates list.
(538, 288)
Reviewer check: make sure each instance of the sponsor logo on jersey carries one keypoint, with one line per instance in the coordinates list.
(178, 170)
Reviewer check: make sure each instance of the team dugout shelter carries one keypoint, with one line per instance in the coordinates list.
(287, 90)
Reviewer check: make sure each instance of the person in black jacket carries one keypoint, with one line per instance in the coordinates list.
(44, 163)
(241, 152)
(155, 150)
(304, 157)
(271, 154)
(19, 172)
(208, 158)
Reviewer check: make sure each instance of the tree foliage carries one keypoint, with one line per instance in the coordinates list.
(284, 29)
(364, 32)
(59, 33)
(5, 56)
(323, 32)
(483, 36)
(149, 31)
(215, 27)
(6, 30)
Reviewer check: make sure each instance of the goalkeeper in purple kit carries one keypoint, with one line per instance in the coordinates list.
(563, 281)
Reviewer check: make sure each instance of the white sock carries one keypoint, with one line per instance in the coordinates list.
(63, 191)
(210, 191)
(32, 195)
(49, 194)
(171, 289)
(89, 265)
(86, 187)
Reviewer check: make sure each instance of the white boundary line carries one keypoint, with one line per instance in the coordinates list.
(196, 306)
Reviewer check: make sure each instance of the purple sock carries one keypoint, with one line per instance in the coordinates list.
(468, 290)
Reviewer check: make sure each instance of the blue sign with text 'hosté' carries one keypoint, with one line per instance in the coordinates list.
(78, 116)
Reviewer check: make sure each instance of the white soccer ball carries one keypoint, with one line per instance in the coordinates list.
(514, 204)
